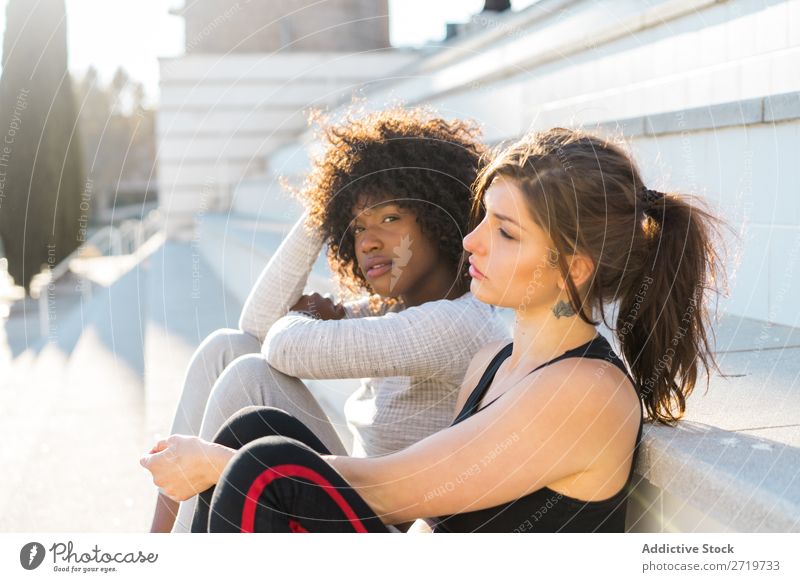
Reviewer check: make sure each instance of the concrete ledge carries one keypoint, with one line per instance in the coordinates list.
(770, 109)
(782, 107)
(743, 483)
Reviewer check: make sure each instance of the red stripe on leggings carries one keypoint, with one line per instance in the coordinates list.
(281, 471)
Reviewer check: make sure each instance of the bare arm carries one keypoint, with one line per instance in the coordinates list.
(543, 429)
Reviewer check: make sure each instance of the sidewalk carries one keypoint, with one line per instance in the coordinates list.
(76, 415)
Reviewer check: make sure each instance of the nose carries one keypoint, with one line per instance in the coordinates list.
(369, 242)
(470, 242)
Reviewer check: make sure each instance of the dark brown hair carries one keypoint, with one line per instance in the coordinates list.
(423, 162)
(656, 261)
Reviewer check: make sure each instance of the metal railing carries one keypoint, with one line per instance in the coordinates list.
(123, 239)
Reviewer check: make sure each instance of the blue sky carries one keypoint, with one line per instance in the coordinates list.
(134, 33)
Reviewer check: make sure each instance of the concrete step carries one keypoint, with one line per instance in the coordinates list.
(76, 421)
(186, 301)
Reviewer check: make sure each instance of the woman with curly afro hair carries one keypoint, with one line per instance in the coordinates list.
(391, 198)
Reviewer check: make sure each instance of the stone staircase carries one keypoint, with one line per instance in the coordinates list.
(81, 405)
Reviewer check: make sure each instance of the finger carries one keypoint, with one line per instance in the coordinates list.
(159, 446)
(150, 459)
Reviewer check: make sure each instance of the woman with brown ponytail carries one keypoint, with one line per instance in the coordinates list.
(546, 441)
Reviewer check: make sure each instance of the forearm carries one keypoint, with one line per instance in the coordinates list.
(377, 482)
(219, 456)
(420, 341)
(280, 285)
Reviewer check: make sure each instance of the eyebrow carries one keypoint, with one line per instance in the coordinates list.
(507, 219)
(377, 206)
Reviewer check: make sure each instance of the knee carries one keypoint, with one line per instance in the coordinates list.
(268, 452)
(251, 379)
(231, 343)
(263, 416)
(242, 381)
(249, 478)
(264, 460)
(253, 422)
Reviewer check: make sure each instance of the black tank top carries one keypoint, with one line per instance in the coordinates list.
(545, 510)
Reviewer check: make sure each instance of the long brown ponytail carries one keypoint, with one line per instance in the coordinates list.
(655, 255)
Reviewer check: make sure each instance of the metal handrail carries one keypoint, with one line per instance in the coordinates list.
(123, 239)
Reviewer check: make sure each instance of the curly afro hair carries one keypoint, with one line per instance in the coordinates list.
(420, 161)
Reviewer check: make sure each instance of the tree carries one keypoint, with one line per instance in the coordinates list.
(118, 134)
(41, 173)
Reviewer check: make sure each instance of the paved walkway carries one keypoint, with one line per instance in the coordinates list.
(76, 414)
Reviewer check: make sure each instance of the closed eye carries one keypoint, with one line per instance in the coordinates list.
(504, 234)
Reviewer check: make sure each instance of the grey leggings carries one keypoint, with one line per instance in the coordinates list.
(227, 373)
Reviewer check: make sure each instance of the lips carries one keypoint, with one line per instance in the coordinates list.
(473, 270)
(377, 266)
(379, 270)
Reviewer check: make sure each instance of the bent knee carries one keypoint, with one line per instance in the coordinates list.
(254, 373)
(264, 415)
(250, 423)
(273, 450)
(231, 342)
(240, 385)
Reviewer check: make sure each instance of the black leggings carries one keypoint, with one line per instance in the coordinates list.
(278, 482)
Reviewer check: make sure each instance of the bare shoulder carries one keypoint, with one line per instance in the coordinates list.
(597, 394)
(477, 365)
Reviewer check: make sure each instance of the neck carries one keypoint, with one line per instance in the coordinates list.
(439, 285)
(541, 336)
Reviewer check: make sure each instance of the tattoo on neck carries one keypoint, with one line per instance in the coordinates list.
(563, 309)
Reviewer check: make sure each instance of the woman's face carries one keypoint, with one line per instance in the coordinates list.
(393, 254)
(512, 258)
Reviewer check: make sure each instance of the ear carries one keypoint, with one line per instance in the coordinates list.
(581, 268)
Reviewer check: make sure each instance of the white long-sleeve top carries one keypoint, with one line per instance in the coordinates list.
(411, 361)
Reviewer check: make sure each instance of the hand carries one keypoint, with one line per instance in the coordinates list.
(183, 466)
(319, 306)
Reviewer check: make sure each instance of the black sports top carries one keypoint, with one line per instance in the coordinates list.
(545, 510)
